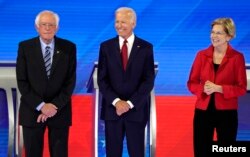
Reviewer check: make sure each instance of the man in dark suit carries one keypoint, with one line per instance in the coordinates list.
(125, 85)
(46, 88)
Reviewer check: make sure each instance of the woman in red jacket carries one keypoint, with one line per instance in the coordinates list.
(217, 78)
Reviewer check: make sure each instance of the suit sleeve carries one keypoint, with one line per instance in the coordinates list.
(103, 78)
(194, 82)
(239, 88)
(29, 96)
(141, 96)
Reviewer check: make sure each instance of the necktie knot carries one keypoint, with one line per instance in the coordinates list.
(125, 41)
(47, 48)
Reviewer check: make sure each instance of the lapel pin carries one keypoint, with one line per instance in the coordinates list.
(57, 52)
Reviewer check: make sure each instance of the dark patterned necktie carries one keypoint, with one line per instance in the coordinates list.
(124, 54)
(47, 60)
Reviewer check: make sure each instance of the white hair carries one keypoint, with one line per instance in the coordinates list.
(133, 13)
(50, 12)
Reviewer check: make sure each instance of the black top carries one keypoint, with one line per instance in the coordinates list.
(211, 105)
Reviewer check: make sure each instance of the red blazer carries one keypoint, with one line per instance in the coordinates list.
(231, 75)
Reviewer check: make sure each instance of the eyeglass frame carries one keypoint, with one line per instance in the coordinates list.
(44, 25)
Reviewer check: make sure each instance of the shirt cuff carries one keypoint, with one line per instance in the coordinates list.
(39, 107)
(130, 104)
(115, 101)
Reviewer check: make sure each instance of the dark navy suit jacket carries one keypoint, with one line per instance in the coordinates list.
(134, 84)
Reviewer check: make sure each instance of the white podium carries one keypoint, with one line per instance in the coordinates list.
(248, 76)
(9, 85)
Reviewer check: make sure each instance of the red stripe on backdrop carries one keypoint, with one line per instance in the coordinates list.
(174, 127)
(81, 133)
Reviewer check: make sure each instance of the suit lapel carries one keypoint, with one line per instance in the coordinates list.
(117, 51)
(133, 52)
(56, 55)
(39, 56)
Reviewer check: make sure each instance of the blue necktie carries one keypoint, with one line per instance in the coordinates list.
(47, 60)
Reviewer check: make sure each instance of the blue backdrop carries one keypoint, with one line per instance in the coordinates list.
(177, 29)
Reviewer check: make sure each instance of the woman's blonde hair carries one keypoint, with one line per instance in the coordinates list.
(227, 24)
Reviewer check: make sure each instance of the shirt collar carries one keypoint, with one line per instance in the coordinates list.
(130, 39)
(51, 44)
